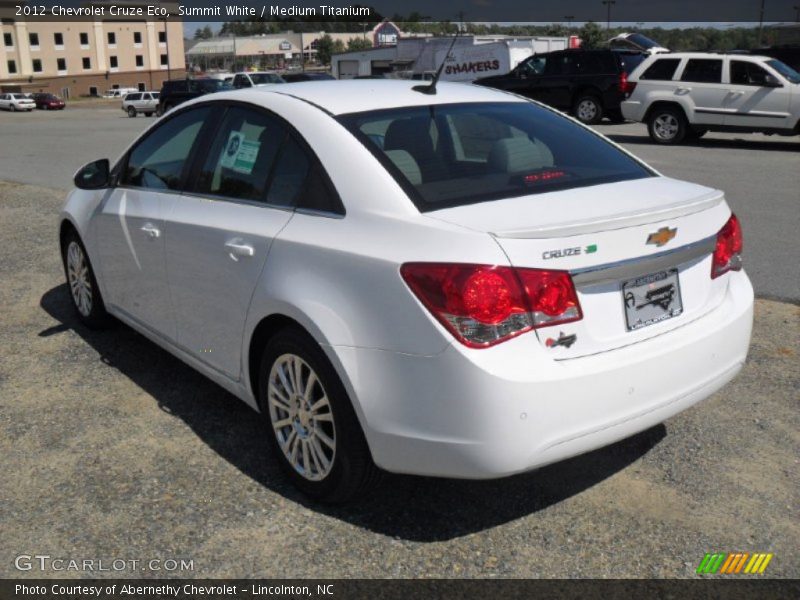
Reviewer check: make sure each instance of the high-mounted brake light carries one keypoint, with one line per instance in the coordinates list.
(483, 305)
(728, 250)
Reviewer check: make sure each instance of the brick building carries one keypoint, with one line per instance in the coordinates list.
(87, 57)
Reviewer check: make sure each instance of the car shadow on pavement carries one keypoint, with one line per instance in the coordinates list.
(403, 507)
(711, 142)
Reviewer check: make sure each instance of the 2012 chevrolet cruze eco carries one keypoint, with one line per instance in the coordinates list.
(463, 284)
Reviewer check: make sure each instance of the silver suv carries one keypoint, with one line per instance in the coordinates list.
(684, 95)
(140, 102)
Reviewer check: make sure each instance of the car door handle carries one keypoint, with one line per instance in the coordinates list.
(151, 230)
(237, 248)
(683, 90)
(736, 92)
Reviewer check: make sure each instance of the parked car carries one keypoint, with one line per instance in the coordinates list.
(684, 95)
(306, 76)
(15, 102)
(461, 284)
(248, 79)
(119, 92)
(590, 84)
(140, 102)
(47, 101)
(176, 91)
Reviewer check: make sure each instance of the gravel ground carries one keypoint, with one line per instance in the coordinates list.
(113, 449)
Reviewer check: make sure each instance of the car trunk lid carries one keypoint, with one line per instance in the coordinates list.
(638, 251)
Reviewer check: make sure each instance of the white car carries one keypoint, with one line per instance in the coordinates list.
(684, 95)
(15, 102)
(463, 284)
(248, 79)
(140, 102)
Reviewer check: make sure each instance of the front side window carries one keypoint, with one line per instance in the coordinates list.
(662, 69)
(561, 64)
(747, 73)
(158, 160)
(702, 70)
(533, 66)
(456, 154)
(240, 160)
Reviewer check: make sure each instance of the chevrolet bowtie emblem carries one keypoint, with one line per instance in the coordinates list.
(662, 236)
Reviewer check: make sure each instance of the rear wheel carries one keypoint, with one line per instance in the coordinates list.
(314, 431)
(131, 112)
(667, 126)
(588, 109)
(82, 284)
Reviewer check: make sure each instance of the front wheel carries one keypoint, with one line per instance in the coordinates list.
(131, 112)
(588, 109)
(82, 284)
(314, 431)
(667, 126)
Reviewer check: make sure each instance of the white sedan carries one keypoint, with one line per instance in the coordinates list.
(15, 102)
(462, 283)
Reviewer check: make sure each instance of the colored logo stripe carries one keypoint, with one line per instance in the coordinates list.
(731, 563)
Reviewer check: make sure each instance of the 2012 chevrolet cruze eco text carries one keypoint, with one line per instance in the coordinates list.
(463, 284)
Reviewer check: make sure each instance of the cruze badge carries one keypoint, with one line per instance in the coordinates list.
(662, 236)
(563, 340)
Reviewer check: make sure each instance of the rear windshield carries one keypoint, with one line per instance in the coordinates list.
(457, 154)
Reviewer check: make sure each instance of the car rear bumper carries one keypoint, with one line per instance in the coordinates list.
(510, 408)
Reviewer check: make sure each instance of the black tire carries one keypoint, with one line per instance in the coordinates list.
(159, 111)
(351, 471)
(696, 134)
(131, 112)
(96, 316)
(588, 109)
(667, 126)
(615, 116)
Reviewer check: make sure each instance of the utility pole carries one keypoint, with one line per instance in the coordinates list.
(569, 19)
(608, 4)
(796, 13)
(761, 22)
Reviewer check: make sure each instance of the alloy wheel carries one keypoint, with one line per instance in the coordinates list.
(666, 126)
(301, 417)
(79, 282)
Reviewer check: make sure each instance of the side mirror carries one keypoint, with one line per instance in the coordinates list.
(771, 81)
(94, 176)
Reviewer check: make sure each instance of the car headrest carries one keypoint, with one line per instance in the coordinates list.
(407, 165)
(519, 154)
(412, 135)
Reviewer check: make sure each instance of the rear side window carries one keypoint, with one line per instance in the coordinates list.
(158, 160)
(456, 154)
(130, 97)
(702, 70)
(239, 162)
(662, 69)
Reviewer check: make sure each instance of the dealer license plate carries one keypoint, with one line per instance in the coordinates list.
(650, 299)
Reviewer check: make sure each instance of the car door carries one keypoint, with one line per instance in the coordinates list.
(219, 234)
(555, 88)
(753, 101)
(701, 83)
(130, 224)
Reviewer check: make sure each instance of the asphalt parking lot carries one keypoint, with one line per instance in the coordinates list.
(113, 449)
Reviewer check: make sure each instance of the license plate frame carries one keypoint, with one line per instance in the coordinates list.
(651, 299)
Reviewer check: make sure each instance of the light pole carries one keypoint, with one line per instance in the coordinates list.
(608, 4)
(569, 19)
(796, 13)
(761, 22)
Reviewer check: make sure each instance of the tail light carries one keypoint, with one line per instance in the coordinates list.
(728, 251)
(624, 86)
(483, 305)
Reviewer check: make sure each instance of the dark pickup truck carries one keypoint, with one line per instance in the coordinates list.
(590, 84)
(175, 91)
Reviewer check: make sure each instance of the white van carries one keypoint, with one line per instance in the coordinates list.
(119, 92)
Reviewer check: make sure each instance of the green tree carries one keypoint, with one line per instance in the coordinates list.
(326, 48)
(206, 33)
(358, 43)
(592, 36)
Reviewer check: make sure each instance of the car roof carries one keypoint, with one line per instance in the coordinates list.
(358, 95)
(710, 55)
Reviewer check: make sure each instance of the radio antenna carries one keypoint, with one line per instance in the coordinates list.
(431, 88)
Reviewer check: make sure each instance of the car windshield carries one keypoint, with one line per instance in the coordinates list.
(788, 72)
(259, 78)
(457, 154)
